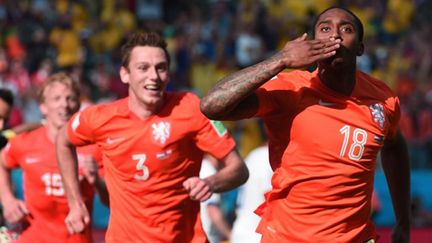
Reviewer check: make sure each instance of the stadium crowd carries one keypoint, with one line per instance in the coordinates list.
(207, 40)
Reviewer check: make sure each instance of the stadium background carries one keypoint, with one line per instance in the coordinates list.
(209, 39)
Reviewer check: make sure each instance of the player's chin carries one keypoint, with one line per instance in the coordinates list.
(153, 98)
(334, 62)
(61, 121)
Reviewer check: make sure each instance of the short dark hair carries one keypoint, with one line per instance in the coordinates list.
(7, 96)
(152, 39)
(357, 22)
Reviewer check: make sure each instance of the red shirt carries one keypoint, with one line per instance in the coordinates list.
(44, 195)
(323, 148)
(146, 162)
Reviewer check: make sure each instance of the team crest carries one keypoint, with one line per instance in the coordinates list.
(161, 131)
(377, 111)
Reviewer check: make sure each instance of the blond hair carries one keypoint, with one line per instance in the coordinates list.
(60, 77)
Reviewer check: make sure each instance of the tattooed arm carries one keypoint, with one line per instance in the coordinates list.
(233, 97)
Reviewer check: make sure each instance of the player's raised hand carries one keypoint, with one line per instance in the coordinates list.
(14, 210)
(77, 219)
(302, 52)
(199, 189)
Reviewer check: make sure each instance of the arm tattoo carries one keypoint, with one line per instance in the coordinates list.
(224, 100)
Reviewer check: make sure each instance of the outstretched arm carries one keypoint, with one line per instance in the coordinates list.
(232, 174)
(78, 216)
(395, 162)
(233, 97)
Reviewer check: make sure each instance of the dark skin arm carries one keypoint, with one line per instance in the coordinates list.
(233, 97)
(396, 166)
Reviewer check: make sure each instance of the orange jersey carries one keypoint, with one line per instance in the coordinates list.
(146, 162)
(323, 149)
(44, 195)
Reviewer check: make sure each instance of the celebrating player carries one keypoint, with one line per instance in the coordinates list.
(152, 143)
(325, 130)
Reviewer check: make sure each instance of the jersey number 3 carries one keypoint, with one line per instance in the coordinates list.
(359, 138)
(143, 173)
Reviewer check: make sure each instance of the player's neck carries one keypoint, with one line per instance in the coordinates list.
(341, 81)
(52, 131)
(144, 110)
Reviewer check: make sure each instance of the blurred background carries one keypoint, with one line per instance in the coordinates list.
(209, 39)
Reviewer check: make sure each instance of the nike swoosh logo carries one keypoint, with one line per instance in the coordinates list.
(114, 140)
(325, 103)
(32, 160)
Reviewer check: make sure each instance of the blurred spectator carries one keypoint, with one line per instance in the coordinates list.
(14, 46)
(19, 76)
(421, 217)
(251, 195)
(416, 126)
(67, 43)
(214, 223)
(249, 45)
(42, 73)
(102, 81)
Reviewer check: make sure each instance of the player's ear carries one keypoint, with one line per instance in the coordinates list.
(360, 49)
(124, 75)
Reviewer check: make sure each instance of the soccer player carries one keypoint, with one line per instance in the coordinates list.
(6, 106)
(325, 129)
(153, 142)
(44, 209)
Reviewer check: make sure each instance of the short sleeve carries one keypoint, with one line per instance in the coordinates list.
(276, 93)
(392, 108)
(9, 154)
(210, 136)
(214, 138)
(79, 128)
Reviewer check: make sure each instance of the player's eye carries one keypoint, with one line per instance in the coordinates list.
(162, 68)
(325, 29)
(347, 29)
(143, 67)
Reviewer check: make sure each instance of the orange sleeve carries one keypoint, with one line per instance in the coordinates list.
(79, 130)
(211, 136)
(8, 154)
(272, 94)
(393, 114)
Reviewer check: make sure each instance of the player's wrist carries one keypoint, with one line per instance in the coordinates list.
(210, 183)
(76, 203)
(7, 198)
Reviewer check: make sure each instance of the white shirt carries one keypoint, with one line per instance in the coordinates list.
(207, 169)
(251, 195)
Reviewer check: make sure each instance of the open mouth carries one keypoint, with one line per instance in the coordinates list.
(152, 87)
(65, 115)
